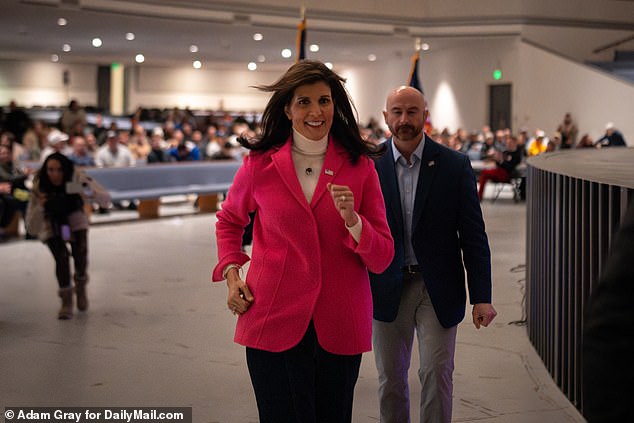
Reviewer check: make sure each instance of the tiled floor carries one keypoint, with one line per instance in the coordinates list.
(158, 332)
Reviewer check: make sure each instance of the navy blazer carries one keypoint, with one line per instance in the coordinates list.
(448, 236)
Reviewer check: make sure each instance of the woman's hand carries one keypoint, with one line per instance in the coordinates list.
(239, 298)
(343, 198)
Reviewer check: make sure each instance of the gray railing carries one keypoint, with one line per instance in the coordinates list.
(575, 201)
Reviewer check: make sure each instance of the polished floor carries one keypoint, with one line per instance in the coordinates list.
(158, 332)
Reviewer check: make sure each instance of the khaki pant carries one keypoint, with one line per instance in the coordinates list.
(392, 343)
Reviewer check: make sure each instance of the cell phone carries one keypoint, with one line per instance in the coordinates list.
(73, 188)
(65, 232)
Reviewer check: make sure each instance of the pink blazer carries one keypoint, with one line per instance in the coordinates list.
(305, 264)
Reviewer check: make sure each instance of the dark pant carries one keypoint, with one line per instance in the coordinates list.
(305, 384)
(79, 248)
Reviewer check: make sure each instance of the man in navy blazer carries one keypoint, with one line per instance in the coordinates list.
(434, 214)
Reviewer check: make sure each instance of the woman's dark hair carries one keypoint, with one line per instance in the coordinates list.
(68, 168)
(276, 127)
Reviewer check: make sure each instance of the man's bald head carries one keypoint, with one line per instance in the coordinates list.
(405, 92)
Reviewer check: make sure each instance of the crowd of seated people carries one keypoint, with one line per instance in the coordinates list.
(177, 135)
(497, 154)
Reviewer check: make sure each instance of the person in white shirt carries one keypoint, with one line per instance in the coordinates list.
(113, 154)
(57, 143)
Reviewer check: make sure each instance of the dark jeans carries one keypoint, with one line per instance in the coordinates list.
(305, 384)
(8, 207)
(79, 248)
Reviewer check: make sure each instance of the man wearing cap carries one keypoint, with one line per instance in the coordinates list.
(114, 154)
(57, 142)
(612, 137)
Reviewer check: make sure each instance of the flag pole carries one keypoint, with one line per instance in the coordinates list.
(416, 83)
(301, 35)
(413, 73)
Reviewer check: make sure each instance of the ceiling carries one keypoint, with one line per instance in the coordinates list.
(223, 31)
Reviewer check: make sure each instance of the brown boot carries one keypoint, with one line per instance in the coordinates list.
(66, 312)
(80, 290)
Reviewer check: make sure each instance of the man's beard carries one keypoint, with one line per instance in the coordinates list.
(407, 132)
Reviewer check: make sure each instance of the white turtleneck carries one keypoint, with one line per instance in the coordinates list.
(308, 158)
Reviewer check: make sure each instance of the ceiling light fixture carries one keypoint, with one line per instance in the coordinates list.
(66, 48)
(197, 64)
(96, 42)
(372, 57)
(258, 37)
(62, 22)
(328, 65)
(130, 36)
(286, 53)
(54, 58)
(425, 46)
(252, 66)
(139, 58)
(193, 48)
(261, 58)
(314, 48)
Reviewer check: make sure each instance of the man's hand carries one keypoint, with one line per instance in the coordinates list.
(483, 314)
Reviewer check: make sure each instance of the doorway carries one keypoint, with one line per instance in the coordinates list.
(500, 106)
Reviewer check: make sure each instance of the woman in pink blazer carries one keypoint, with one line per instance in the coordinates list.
(305, 308)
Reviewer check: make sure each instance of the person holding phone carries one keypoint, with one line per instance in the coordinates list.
(56, 215)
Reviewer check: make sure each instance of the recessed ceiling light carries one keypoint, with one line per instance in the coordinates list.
(372, 57)
(130, 36)
(197, 64)
(139, 58)
(261, 58)
(425, 46)
(66, 48)
(54, 58)
(96, 42)
(258, 37)
(62, 22)
(328, 65)
(193, 48)
(286, 53)
(252, 66)
(314, 48)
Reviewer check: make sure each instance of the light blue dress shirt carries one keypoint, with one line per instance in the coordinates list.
(407, 178)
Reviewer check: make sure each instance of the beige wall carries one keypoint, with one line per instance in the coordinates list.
(205, 88)
(41, 83)
(552, 85)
